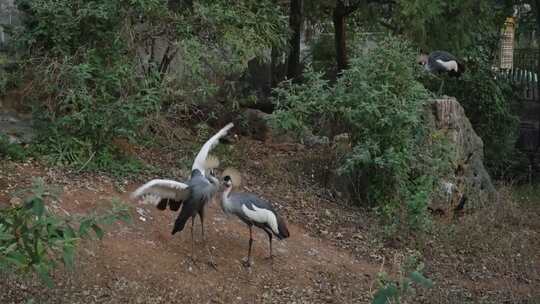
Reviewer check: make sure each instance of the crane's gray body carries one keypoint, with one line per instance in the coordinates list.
(201, 189)
(234, 203)
(434, 63)
(253, 210)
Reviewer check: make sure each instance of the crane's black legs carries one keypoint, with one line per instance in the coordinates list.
(201, 214)
(271, 257)
(441, 87)
(248, 263)
(192, 242)
(211, 262)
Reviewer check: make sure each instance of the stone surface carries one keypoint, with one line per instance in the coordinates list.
(9, 16)
(468, 182)
(17, 128)
(314, 140)
(469, 178)
(256, 124)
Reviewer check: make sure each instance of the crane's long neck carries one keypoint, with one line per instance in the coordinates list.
(225, 201)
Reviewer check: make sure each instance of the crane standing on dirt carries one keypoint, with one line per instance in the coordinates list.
(192, 195)
(251, 210)
(438, 62)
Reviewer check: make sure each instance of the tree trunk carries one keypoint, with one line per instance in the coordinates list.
(339, 36)
(537, 11)
(296, 20)
(275, 68)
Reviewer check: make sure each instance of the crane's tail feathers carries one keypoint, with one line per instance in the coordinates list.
(235, 175)
(211, 162)
(283, 230)
(209, 145)
(460, 70)
(185, 214)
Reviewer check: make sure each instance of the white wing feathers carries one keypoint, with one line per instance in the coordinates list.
(263, 216)
(158, 189)
(449, 65)
(200, 160)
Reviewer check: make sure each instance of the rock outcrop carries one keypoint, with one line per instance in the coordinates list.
(16, 127)
(469, 180)
(466, 183)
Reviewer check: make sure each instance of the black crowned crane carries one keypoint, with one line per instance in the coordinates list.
(441, 62)
(252, 210)
(194, 194)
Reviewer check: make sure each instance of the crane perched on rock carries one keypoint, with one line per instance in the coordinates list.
(193, 195)
(252, 210)
(441, 62)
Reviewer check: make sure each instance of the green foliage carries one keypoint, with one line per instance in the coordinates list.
(395, 291)
(100, 69)
(439, 24)
(323, 53)
(33, 239)
(217, 39)
(85, 90)
(10, 150)
(379, 102)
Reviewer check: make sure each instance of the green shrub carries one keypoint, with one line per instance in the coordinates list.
(32, 239)
(98, 72)
(11, 151)
(85, 89)
(379, 102)
(396, 291)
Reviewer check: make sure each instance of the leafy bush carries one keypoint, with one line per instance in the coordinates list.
(85, 89)
(394, 291)
(89, 105)
(379, 102)
(32, 239)
(100, 69)
(10, 150)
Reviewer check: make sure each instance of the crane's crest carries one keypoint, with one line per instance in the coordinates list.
(235, 176)
(211, 162)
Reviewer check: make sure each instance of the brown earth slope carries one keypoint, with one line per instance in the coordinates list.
(333, 255)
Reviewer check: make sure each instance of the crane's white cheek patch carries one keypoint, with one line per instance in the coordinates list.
(262, 216)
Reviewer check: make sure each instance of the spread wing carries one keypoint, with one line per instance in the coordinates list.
(200, 160)
(163, 193)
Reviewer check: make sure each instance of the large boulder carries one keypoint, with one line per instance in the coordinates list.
(466, 183)
(469, 181)
(16, 127)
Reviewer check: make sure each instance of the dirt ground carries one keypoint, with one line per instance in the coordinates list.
(333, 255)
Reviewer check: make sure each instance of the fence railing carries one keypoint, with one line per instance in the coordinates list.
(527, 79)
(525, 74)
(526, 59)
